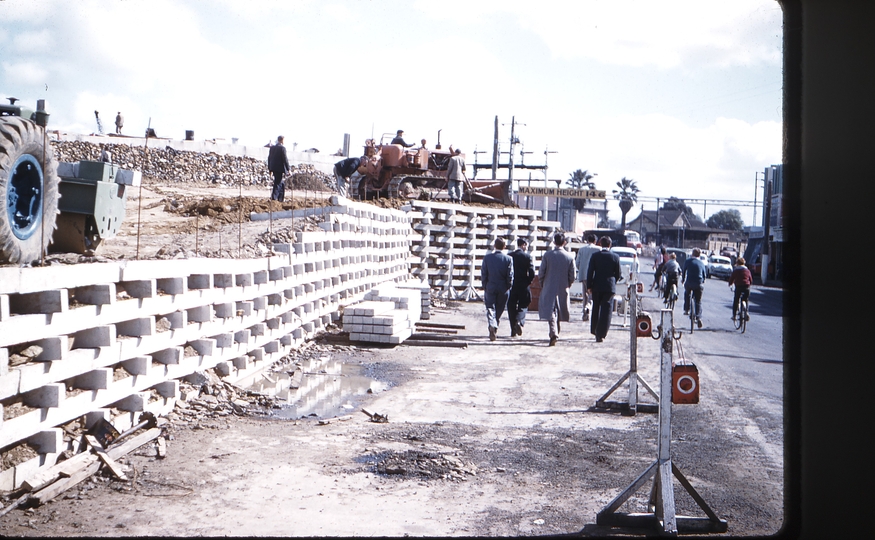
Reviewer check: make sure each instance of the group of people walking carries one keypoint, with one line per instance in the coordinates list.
(507, 278)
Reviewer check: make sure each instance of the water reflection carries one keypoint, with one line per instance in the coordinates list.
(321, 387)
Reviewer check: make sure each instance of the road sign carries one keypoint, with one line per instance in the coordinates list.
(562, 192)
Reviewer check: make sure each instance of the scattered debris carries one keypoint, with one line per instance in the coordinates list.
(376, 417)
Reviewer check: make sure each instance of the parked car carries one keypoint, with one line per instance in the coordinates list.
(628, 258)
(704, 259)
(728, 251)
(719, 267)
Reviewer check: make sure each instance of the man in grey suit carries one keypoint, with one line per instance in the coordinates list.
(601, 280)
(556, 275)
(496, 275)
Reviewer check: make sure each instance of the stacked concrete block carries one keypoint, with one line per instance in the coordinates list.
(377, 322)
(112, 339)
(424, 295)
(450, 241)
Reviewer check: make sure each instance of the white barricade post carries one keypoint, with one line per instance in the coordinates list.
(661, 505)
(631, 407)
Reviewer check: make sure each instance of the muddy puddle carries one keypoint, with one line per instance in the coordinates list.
(321, 387)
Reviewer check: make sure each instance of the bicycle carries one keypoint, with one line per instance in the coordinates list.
(672, 297)
(742, 316)
(693, 310)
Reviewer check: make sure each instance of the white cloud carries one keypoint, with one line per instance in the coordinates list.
(24, 73)
(639, 33)
(31, 43)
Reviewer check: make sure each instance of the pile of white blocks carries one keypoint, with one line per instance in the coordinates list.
(388, 315)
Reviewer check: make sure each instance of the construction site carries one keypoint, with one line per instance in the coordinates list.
(321, 366)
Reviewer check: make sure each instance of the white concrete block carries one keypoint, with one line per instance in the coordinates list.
(50, 301)
(98, 336)
(146, 288)
(200, 281)
(223, 281)
(204, 347)
(136, 327)
(50, 441)
(50, 395)
(97, 379)
(133, 403)
(172, 285)
(168, 389)
(96, 295)
(173, 355)
(139, 365)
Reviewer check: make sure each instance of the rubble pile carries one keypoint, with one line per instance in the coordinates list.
(171, 165)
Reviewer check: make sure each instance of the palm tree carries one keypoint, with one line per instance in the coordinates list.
(580, 180)
(627, 195)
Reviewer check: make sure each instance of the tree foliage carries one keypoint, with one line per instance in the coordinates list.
(580, 180)
(673, 203)
(728, 220)
(627, 195)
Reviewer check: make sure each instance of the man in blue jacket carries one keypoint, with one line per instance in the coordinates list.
(694, 282)
(496, 276)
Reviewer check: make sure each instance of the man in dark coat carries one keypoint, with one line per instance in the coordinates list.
(278, 164)
(399, 139)
(520, 295)
(343, 170)
(496, 275)
(601, 280)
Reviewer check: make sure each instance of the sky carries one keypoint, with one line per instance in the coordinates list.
(684, 97)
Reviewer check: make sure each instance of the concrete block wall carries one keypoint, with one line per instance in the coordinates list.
(112, 339)
(451, 240)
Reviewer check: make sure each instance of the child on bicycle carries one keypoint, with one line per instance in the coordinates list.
(672, 271)
(742, 280)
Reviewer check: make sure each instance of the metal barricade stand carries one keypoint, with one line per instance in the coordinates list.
(632, 406)
(662, 504)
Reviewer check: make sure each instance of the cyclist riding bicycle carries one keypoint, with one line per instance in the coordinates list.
(742, 280)
(694, 274)
(658, 266)
(672, 271)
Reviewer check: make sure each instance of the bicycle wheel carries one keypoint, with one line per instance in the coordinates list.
(692, 311)
(739, 318)
(744, 316)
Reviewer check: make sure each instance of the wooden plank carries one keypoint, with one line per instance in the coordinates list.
(441, 325)
(104, 457)
(62, 469)
(429, 343)
(53, 490)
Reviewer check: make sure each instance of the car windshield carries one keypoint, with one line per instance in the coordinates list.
(720, 260)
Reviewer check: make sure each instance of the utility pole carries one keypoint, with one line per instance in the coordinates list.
(546, 182)
(495, 150)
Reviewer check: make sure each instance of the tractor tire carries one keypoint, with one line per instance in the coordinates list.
(28, 189)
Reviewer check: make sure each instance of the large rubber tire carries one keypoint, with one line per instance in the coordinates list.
(28, 190)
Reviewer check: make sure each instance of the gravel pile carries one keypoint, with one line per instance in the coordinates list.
(171, 165)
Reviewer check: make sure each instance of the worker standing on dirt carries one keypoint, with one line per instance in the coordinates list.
(556, 274)
(278, 164)
(455, 176)
(343, 171)
(399, 139)
(119, 122)
(520, 295)
(496, 275)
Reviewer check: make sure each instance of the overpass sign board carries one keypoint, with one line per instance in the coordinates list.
(567, 193)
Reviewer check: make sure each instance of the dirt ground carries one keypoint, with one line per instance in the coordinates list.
(496, 439)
